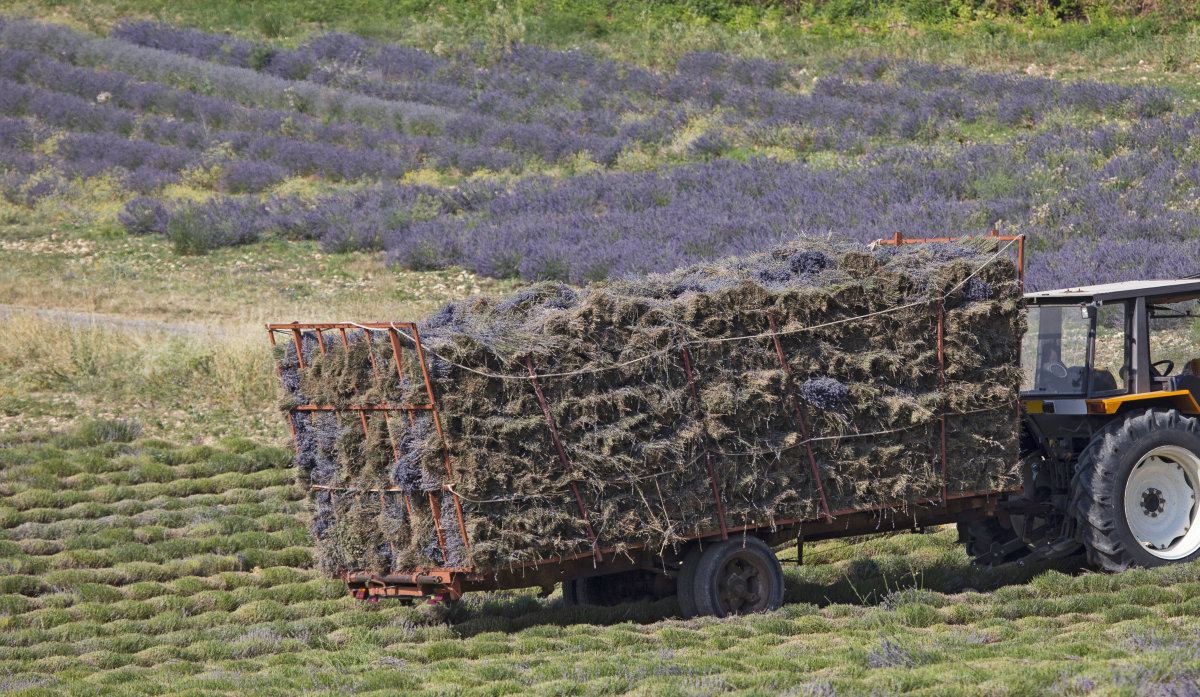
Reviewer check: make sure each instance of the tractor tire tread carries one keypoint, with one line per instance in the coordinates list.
(1095, 495)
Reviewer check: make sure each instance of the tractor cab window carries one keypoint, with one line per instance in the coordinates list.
(1174, 329)
(1054, 350)
(1110, 361)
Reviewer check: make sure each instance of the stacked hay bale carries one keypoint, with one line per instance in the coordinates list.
(858, 328)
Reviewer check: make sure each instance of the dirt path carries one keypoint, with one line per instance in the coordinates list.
(88, 319)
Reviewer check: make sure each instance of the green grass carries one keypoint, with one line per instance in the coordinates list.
(132, 566)
(1116, 39)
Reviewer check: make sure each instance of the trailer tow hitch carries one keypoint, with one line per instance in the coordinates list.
(1052, 550)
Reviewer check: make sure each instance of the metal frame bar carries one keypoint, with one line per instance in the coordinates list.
(562, 457)
(812, 460)
(296, 329)
(899, 239)
(712, 473)
(941, 351)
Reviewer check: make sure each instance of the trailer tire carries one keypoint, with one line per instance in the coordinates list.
(685, 585)
(736, 577)
(1135, 495)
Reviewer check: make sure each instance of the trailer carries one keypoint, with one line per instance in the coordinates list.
(1073, 496)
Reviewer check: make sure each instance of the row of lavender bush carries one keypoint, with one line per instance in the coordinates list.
(152, 103)
(572, 90)
(1084, 197)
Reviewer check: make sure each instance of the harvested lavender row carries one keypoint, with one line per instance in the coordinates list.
(633, 434)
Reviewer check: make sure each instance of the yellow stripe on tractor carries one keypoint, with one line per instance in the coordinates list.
(1180, 399)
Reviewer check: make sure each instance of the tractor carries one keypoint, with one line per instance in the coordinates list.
(1110, 406)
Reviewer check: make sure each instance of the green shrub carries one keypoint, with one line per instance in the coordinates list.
(144, 590)
(12, 604)
(278, 575)
(275, 522)
(105, 660)
(9, 517)
(73, 578)
(83, 481)
(289, 593)
(97, 431)
(918, 615)
(189, 585)
(32, 498)
(205, 565)
(259, 611)
(208, 601)
(145, 571)
(82, 559)
(260, 541)
(150, 471)
(98, 593)
(94, 612)
(23, 585)
(89, 510)
(133, 610)
(148, 534)
(299, 557)
(41, 548)
(44, 515)
(1120, 613)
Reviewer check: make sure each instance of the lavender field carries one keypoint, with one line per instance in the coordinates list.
(540, 164)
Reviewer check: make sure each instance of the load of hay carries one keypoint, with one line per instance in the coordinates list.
(858, 328)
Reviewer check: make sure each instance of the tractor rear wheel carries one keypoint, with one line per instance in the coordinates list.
(737, 577)
(1136, 492)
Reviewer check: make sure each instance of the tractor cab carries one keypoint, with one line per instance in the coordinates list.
(1097, 350)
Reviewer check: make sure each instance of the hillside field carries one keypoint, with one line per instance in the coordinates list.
(175, 175)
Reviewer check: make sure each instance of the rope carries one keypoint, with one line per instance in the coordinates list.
(682, 467)
(814, 439)
(697, 342)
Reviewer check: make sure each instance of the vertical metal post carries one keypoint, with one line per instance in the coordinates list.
(437, 422)
(562, 457)
(291, 412)
(812, 460)
(941, 349)
(299, 347)
(712, 474)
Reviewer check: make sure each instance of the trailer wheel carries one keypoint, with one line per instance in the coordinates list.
(738, 577)
(1136, 491)
(685, 585)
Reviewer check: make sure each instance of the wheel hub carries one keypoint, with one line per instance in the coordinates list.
(1160, 501)
(1153, 502)
(740, 588)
